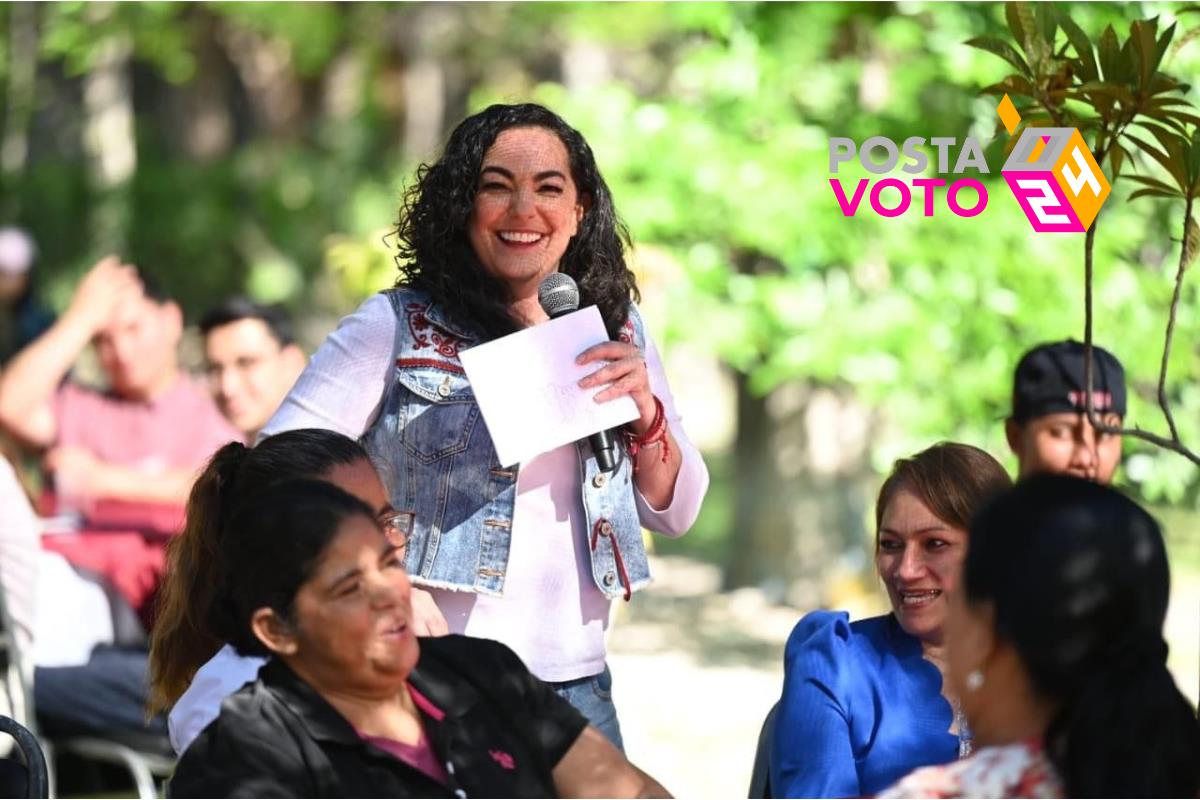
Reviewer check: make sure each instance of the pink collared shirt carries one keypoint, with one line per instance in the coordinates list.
(178, 429)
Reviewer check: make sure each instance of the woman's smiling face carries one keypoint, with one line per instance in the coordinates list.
(919, 558)
(526, 209)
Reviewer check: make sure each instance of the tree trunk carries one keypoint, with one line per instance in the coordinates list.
(586, 66)
(759, 542)
(265, 69)
(22, 76)
(205, 125)
(802, 480)
(424, 83)
(344, 86)
(108, 136)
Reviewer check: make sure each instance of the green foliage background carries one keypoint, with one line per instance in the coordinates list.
(711, 123)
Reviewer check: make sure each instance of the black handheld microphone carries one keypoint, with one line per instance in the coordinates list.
(558, 295)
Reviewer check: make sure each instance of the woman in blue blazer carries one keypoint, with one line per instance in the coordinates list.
(864, 702)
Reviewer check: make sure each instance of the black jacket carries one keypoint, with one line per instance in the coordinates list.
(502, 732)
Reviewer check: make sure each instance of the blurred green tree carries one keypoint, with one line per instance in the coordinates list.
(266, 145)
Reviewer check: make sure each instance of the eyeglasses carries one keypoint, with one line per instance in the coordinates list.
(397, 527)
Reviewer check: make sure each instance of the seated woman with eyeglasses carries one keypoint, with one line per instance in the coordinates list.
(350, 704)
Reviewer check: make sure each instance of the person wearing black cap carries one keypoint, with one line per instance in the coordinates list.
(1049, 430)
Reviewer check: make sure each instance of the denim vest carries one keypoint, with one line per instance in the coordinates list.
(438, 463)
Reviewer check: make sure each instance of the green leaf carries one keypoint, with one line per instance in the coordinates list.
(1164, 42)
(1160, 84)
(1173, 168)
(1183, 117)
(1151, 183)
(1084, 51)
(1103, 97)
(1117, 159)
(1174, 144)
(1143, 46)
(1114, 90)
(1163, 102)
(1047, 22)
(1102, 102)
(1176, 119)
(1002, 49)
(1110, 54)
(1015, 24)
(1167, 121)
(1154, 193)
(1037, 50)
(1012, 85)
(1127, 66)
(1033, 122)
(1166, 140)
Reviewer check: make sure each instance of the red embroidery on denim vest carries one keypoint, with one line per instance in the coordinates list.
(425, 334)
(503, 759)
(447, 366)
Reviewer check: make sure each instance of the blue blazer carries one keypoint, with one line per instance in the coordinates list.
(860, 709)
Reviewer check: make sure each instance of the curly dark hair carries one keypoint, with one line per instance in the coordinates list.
(436, 257)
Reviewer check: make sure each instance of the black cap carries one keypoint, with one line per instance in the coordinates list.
(1049, 380)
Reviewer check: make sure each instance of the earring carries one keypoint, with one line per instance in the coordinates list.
(974, 680)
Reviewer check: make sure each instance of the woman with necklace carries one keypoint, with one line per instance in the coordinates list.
(864, 703)
(1056, 649)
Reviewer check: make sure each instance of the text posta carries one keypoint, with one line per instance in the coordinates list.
(879, 155)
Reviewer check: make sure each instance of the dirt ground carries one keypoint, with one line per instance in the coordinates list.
(695, 671)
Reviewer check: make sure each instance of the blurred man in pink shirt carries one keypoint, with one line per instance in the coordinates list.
(124, 458)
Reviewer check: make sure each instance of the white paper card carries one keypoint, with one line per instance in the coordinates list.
(526, 385)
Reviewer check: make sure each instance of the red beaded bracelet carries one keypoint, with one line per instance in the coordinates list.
(655, 435)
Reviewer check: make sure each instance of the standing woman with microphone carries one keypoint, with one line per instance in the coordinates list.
(531, 555)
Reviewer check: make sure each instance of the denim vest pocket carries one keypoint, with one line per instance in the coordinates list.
(437, 412)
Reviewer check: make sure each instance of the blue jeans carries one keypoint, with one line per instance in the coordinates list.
(106, 695)
(592, 697)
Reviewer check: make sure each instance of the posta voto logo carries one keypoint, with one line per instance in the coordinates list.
(1051, 172)
(1053, 175)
